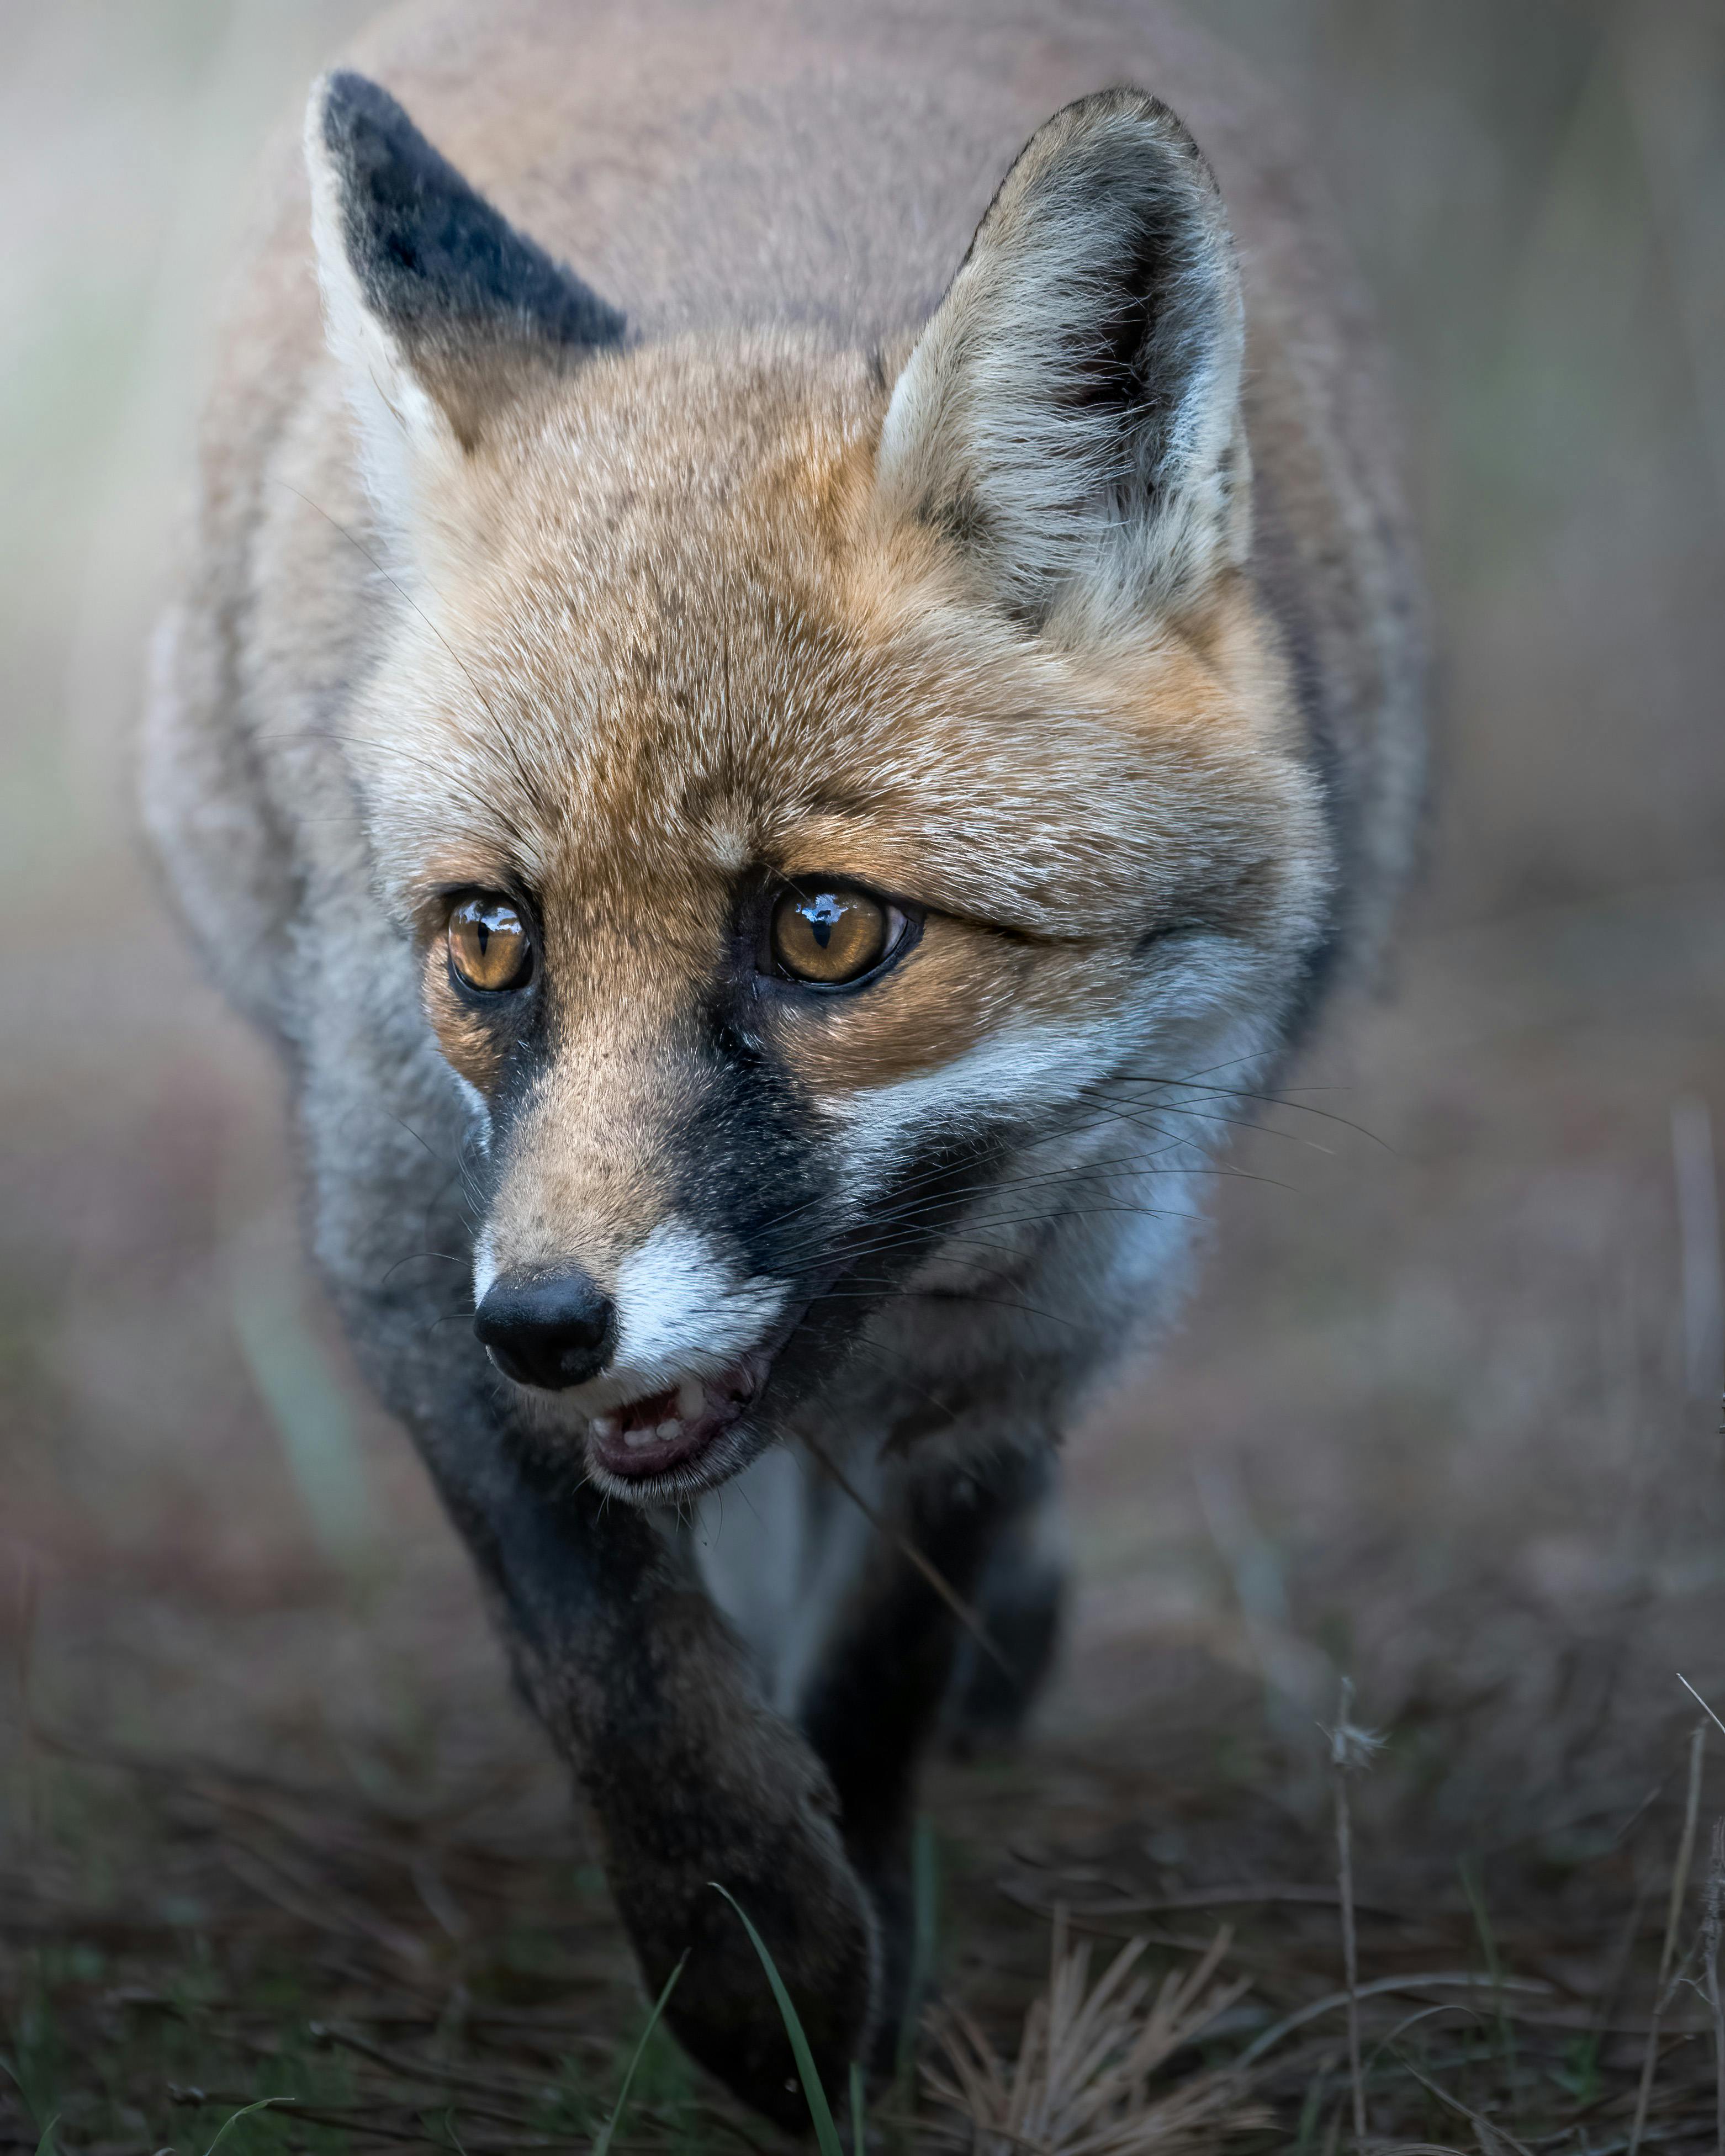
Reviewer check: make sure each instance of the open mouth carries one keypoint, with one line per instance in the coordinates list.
(646, 1437)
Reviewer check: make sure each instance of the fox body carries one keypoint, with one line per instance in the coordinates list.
(782, 701)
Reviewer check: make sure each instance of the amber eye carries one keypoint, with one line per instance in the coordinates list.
(830, 936)
(488, 944)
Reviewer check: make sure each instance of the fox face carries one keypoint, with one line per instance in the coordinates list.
(835, 798)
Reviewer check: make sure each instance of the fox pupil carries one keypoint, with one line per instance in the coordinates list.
(820, 917)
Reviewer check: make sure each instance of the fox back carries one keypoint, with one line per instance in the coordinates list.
(808, 673)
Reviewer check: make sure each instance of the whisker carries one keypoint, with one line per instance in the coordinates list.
(1072, 1177)
(1268, 1100)
(413, 1258)
(934, 1235)
(893, 1292)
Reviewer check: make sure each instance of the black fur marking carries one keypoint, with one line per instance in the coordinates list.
(429, 252)
(750, 1164)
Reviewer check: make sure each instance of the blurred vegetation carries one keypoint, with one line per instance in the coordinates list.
(1428, 1422)
(1538, 196)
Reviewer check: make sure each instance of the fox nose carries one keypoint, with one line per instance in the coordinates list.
(547, 1332)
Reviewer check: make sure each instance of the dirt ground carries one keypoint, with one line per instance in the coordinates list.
(1443, 1418)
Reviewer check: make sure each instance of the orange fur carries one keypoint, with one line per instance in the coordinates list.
(792, 678)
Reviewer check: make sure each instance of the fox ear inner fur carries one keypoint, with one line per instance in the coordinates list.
(1070, 416)
(432, 300)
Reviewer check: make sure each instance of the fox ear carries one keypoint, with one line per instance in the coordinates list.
(1071, 415)
(434, 305)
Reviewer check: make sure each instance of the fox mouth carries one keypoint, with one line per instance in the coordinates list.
(638, 1440)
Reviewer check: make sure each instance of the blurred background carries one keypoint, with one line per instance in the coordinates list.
(1446, 1415)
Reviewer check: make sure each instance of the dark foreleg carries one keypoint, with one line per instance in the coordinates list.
(875, 1699)
(1021, 1600)
(691, 1778)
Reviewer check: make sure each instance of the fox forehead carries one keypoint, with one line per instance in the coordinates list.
(668, 630)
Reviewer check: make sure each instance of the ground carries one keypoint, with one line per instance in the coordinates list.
(1442, 1418)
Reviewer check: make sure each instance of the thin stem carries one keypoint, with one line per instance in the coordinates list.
(1350, 1950)
(1710, 1934)
(1349, 1747)
(1674, 1916)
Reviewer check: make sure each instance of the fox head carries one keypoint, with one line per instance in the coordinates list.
(816, 784)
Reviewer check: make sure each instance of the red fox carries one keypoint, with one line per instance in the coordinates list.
(794, 678)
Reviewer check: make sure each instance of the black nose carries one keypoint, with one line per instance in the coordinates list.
(547, 1332)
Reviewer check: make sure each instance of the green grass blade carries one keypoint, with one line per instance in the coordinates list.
(1474, 1887)
(819, 2110)
(858, 2138)
(609, 2127)
(45, 2146)
(244, 2111)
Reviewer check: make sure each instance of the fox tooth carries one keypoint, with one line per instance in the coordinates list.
(604, 1425)
(692, 1398)
(635, 1438)
(670, 1428)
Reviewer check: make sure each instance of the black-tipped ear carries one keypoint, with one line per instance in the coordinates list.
(433, 261)
(1071, 415)
(436, 308)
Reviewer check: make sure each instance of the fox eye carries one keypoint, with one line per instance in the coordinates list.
(830, 937)
(489, 947)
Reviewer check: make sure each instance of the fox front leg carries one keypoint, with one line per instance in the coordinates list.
(690, 1779)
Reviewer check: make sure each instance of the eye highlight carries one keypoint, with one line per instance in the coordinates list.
(829, 937)
(490, 949)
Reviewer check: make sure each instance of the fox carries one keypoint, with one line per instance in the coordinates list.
(799, 668)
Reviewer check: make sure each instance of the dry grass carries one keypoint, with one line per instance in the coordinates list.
(426, 1956)
(1079, 2084)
